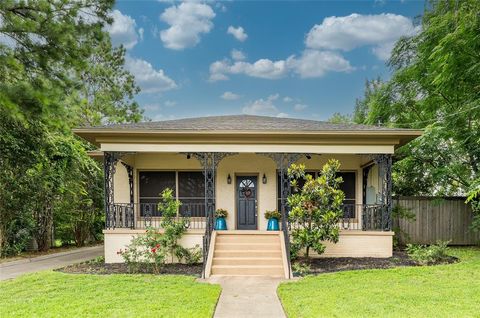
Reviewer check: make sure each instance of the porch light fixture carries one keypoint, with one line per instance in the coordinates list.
(308, 156)
(229, 179)
(264, 179)
(188, 156)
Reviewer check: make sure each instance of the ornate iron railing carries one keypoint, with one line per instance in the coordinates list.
(366, 217)
(144, 215)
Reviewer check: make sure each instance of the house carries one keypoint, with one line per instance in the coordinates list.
(239, 163)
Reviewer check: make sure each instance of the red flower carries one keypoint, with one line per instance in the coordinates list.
(154, 250)
(157, 246)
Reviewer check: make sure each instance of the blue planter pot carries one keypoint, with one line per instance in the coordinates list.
(220, 224)
(272, 225)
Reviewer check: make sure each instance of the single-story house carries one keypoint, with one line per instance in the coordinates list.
(239, 163)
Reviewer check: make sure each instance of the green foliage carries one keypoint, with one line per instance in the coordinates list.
(434, 86)
(411, 291)
(301, 268)
(474, 200)
(221, 213)
(273, 215)
(427, 255)
(338, 118)
(154, 247)
(55, 294)
(315, 208)
(58, 70)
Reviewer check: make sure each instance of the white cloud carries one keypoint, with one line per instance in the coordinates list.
(147, 77)
(264, 107)
(299, 107)
(187, 21)
(123, 30)
(287, 99)
(170, 103)
(356, 30)
(238, 33)
(230, 96)
(263, 68)
(237, 55)
(310, 64)
(313, 63)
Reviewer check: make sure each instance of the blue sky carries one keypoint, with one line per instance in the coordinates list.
(276, 58)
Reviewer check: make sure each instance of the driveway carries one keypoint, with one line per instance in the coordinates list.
(52, 261)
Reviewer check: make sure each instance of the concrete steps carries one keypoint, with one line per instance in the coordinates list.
(247, 253)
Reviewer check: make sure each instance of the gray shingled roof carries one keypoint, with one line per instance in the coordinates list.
(244, 123)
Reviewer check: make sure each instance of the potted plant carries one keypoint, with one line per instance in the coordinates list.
(220, 223)
(273, 217)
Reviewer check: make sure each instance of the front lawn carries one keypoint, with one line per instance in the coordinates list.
(54, 294)
(434, 291)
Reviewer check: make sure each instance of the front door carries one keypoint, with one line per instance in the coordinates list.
(247, 203)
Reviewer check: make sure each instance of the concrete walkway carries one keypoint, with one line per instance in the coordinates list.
(248, 296)
(51, 261)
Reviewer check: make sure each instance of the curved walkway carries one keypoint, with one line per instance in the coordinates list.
(51, 261)
(248, 296)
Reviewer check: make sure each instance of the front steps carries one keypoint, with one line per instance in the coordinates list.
(247, 253)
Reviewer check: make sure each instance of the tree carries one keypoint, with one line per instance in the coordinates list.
(435, 85)
(107, 89)
(316, 208)
(57, 70)
(338, 118)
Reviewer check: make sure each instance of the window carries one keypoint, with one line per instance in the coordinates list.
(190, 186)
(191, 192)
(300, 184)
(348, 186)
(152, 183)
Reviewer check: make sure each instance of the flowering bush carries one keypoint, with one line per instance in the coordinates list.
(153, 248)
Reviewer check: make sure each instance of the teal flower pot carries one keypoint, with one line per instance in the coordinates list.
(220, 224)
(272, 225)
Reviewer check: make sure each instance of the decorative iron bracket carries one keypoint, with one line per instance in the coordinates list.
(384, 162)
(209, 162)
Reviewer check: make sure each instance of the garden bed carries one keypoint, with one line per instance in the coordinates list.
(338, 264)
(100, 268)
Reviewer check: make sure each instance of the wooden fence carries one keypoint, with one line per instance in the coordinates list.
(446, 219)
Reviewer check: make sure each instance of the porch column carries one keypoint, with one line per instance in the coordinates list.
(283, 161)
(131, 219)
(384, 162)
(209, 162)
(109, 162)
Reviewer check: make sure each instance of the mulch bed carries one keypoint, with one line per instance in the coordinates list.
(107, 269)
(338, 264)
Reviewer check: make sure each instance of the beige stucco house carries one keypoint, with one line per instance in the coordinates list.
(211, 161)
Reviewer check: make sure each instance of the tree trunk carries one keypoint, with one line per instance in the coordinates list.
(43, 235)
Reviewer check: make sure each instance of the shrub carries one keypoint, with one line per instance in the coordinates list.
(316, 208)
(221, 213)
(428, 255)
(191, 255)
(302, 269)
(273, 215)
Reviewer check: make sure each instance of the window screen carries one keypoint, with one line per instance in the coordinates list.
(152, 183)
(348, 186)
(191, 192)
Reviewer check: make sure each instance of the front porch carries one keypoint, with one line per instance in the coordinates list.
(205, 181)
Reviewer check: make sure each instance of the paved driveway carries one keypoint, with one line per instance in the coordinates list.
(51, 261)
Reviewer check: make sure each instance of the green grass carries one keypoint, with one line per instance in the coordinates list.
(54, 294)
(434, 291)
